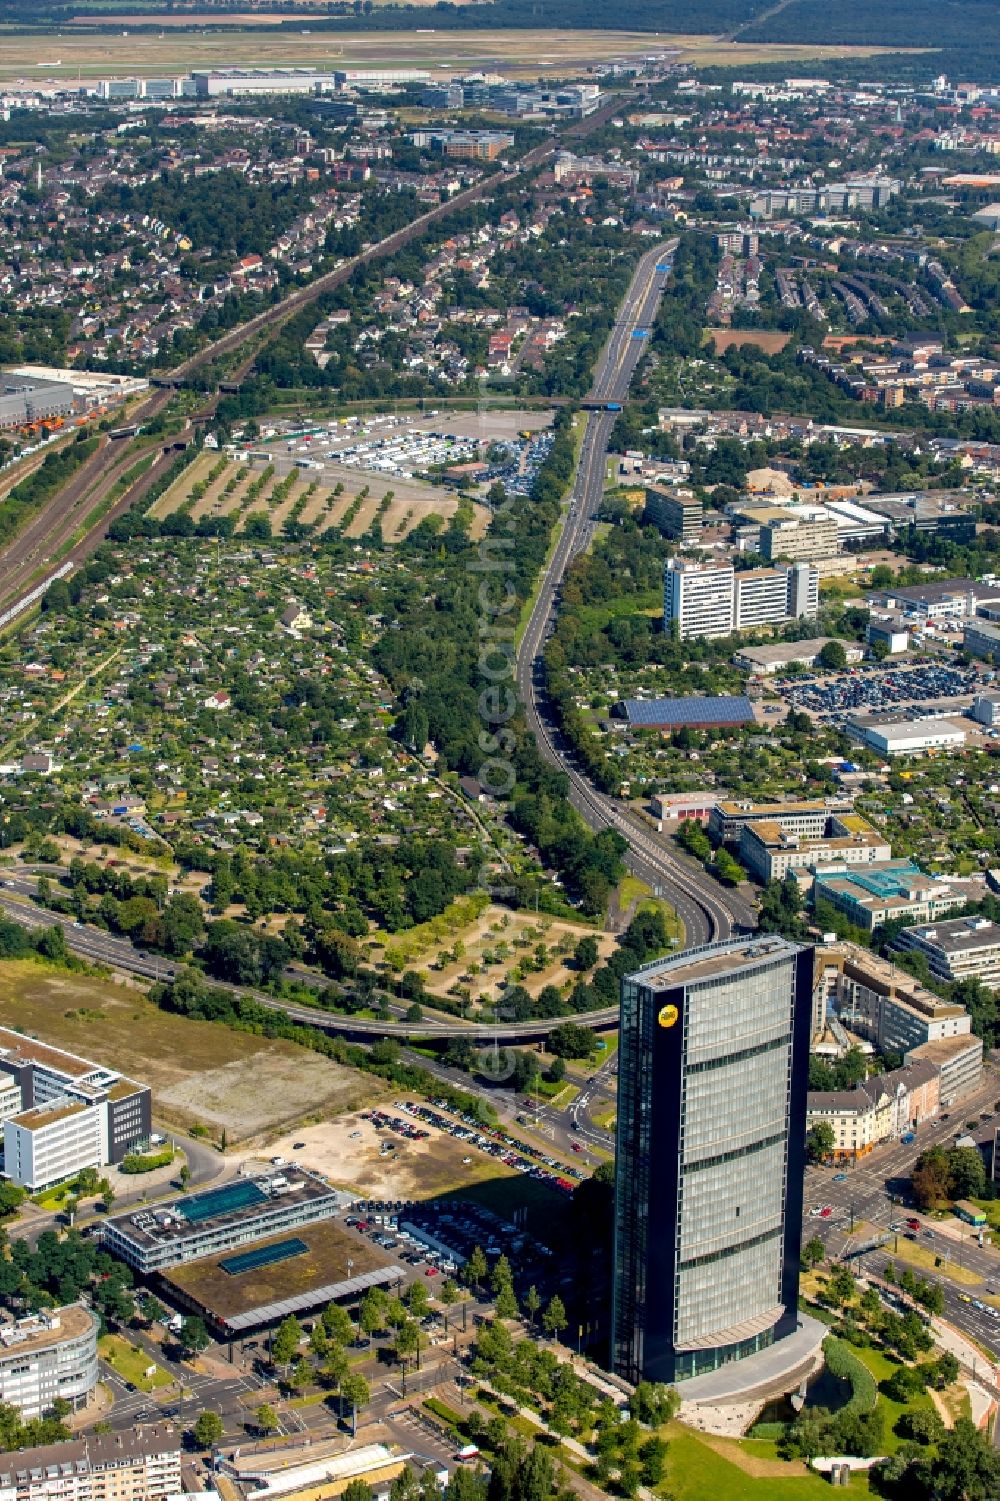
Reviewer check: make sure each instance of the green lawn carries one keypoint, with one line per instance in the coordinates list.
(882, 1368)
(131, 1363)
(696, 1473)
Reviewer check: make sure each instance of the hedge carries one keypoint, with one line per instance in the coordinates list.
(842, 1362)
(134, 1162)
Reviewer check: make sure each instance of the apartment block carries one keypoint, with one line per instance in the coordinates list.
(678, 514)
(141, 1465)
(960, 948)
(61, 1113)
(47, 1356)
(714, 600)
(878, 1109)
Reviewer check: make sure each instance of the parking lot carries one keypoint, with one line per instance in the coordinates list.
(907, 690)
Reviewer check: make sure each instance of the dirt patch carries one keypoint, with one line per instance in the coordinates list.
(769, 340)
(199, 1071)
(348, 1152)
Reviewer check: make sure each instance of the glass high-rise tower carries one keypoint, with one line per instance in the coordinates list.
(712, 1076)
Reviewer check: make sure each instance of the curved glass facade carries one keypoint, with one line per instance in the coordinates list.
(713, 1062)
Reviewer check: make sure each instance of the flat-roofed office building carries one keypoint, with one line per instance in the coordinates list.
(712, 1075)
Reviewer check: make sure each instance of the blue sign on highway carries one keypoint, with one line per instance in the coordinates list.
(639, 333)
(664, 266)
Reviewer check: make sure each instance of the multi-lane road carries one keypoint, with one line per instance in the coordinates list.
(706, 912)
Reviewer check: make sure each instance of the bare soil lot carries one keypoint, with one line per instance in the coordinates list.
(199, 1071)
(348, 1152)
(771, 341)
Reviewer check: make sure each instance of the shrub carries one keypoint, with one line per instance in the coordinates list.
(842, 1362)
(137, 1162)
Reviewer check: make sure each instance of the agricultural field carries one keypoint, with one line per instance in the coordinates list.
(347, 499)
(200, 1073)
(76, 53)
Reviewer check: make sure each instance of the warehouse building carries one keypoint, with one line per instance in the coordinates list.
(695, 713)
(908, 737)
(959, 949)
(25, 399)
(47, 1356)
(766, 661)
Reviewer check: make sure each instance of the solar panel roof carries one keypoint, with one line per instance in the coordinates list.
(695, 710)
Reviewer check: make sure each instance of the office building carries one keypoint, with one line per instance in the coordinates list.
(678, 514)
(141, 1465)
(770, 853)
(730, 816)
(217, 1219)
(960, 949)
(714, 600)
(982, 640)
(24, 400)
(882, 1004)
(379, 78)
(897, 888)
(801, 533)
(959, 1062)
(907, 737)
(713, 1063)
(72, 1113)
(46, 1356)
(986, 709)
(471, 145)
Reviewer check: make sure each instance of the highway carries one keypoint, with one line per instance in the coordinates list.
(706, 913)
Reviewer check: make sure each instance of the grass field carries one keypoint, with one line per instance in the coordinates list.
(131, 1363)
(199, 1072)
(77, 52)
(725, 1470)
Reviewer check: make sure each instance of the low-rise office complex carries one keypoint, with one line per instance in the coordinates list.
(769, 853)
(959, 949)
(46, 1357)
(730, 816)
(217, 1219)
(64, 1113)
(891, 889)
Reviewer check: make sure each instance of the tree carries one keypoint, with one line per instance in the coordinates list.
(813, 1252)
(586, 953)
(944, 1371)
(966, 1467)
(337, 1322)
(208, 1430)
(506, 1302)
(354, 1390)
(532, 1303)
(554, 1319)
(924, 1425)
(931, 1177)
(152, 1309)
(820, 1141)
(286, 1341)
(193, 1336)
(833, 656)
(336, 1366)
(417, 1299)
(653, 1403)
(967, 1173)
(447, 1294)
(475, 1268)
(265, 1419)
(358, 1491)
(371, 1315)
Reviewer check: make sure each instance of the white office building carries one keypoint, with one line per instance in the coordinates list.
(48, 1355)
(959, 948)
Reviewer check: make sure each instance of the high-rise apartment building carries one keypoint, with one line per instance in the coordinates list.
(712, 1076)
(714, 600)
